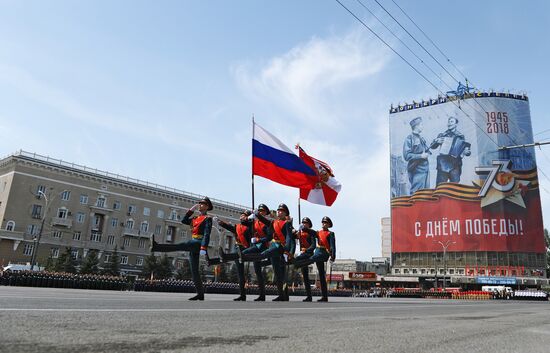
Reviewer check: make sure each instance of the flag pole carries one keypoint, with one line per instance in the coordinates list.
(299, 208)
(253, 162)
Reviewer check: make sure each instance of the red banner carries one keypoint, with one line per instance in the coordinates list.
(362, 276)
(422, 225)
(335, 278)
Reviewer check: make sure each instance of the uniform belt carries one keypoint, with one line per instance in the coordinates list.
(196, 236)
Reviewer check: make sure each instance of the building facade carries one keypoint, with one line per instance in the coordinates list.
(47, 205)
(385, 223)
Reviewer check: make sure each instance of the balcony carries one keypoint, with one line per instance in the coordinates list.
(131, 232)
(64, 222)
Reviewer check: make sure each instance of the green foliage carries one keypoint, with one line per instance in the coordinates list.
(66, 263)
(164, 269)
(184, 273)
(234, 273)
(112, 267)
(50, 264)
(150, 266)
(90, 263)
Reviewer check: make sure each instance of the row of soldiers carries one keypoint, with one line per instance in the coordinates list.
(62, 280)
(262, 241)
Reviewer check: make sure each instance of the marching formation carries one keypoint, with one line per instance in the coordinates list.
(264, 242)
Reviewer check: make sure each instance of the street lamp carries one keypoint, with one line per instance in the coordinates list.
(37, 239)
(445, 246)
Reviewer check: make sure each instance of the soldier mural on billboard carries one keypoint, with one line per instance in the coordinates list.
(452, 147)
(416, 153)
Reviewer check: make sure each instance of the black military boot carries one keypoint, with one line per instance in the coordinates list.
(261, 298)
(240, 298)
(323, 299)
(308, 299)
(197, 297)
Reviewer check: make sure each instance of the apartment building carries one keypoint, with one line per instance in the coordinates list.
(47, 205)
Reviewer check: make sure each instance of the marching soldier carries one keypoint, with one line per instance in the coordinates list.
(306, 238)
(279, 248)
(243, 233)
(325, 250)
(260, 240)
(201, 227)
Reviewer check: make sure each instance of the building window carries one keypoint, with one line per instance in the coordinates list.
(10, 226)
(111, 239)
(139, 261)
(32, 229)
(76, 235)
(95, 236)
(114, 222)
(146, 211)
(144, 226)
(160, 214)
(169, 233)
(130, 224)
(62, 212)
(80, 217)
(85, 252)
(40, 191)
(74, 254)
(65, 195)
(97, 221)
(141, 243)
(36, 211)
(126, 242)
(27, 250)
(117, 205)
(124, 259)
(54, 252)
(107, 258)
(131, 209)
(158, 229)
(174, 215)
(84, 199)
(57, 234)
(100, 202)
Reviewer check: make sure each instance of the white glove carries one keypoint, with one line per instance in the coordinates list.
(216, 219)
(285, 256)
(202, 252)
(194, 208)
(251, 217)
(254, 240)
(301, 227)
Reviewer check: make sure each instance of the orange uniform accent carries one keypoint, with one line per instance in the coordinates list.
(304, 244)
(323, 239)
(196, 223)
(241, 231)
(278, 235)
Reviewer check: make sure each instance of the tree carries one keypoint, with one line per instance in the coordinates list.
(50, 264)
(112, 267)
(150, 266)
(164, 269)
(234, 273)
(66, 262)
(184, 273)
(90, 263)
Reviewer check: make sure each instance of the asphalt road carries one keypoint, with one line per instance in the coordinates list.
(68, 320)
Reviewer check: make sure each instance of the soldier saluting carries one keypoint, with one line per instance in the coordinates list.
(243, 233)
(201, 226)
(325, 250)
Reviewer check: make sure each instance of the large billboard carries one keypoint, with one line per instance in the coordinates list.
(451, 185)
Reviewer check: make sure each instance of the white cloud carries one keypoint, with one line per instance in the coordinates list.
(303, 79)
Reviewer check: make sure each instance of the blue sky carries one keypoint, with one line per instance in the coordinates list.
(164, 91)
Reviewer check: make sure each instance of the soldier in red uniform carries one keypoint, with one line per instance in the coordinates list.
(306, 238)
(201, 227)
(280, 247)
(325, 250)
(259, 242)
(243, 233)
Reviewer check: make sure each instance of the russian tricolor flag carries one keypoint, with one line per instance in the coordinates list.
(272, 160)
